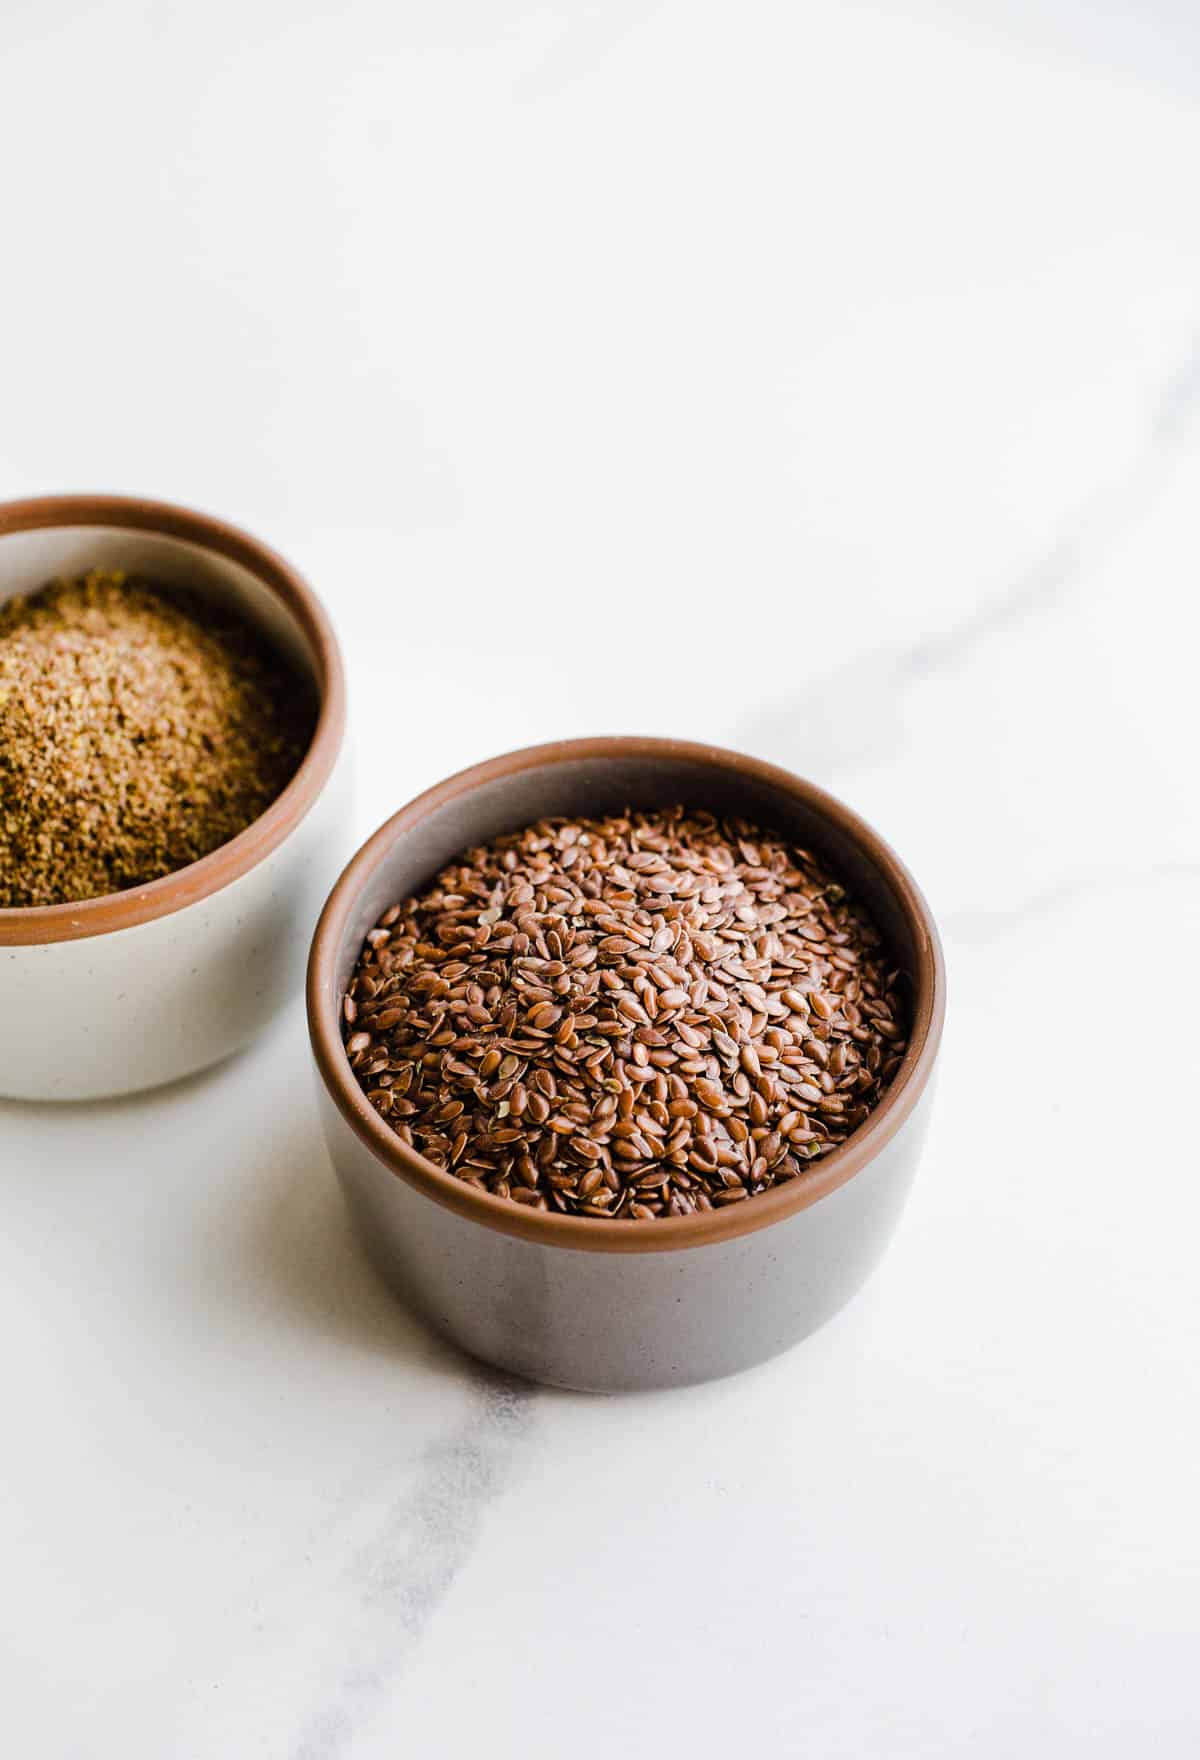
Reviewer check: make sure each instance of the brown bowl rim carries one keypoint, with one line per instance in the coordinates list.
(40, 925)
(702, 1228)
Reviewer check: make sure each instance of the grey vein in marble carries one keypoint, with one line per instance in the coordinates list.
(1084, 535)
(834, 742)
(402, 1576)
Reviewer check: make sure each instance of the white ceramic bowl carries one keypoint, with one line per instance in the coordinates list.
(141, 987)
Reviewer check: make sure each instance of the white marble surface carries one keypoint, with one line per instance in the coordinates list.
(824, 381)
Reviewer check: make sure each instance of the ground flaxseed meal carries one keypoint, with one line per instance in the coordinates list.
(139, 730)
(637, 1016)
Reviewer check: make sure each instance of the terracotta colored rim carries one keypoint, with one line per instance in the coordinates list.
(583, 1233)
(39, 924)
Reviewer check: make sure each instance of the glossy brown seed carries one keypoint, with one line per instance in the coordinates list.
(709, 1094)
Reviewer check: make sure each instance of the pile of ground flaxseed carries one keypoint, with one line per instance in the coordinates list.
(139, 730)
(630, 1017)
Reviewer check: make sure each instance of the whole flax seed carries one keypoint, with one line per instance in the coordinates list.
(139, 730)
(634, 1017)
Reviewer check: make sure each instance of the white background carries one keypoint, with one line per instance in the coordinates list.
(819, 380)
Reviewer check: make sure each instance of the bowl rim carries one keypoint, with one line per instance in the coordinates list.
(702, 1228)
(40, 925)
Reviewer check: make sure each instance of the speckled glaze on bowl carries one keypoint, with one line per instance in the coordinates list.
(141, 987)
(592, 1304)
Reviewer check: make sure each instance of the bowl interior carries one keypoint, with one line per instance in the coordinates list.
(423, 841)
(28, 559)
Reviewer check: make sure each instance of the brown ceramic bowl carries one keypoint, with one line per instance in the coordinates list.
(143, 986)
(615, 1305)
